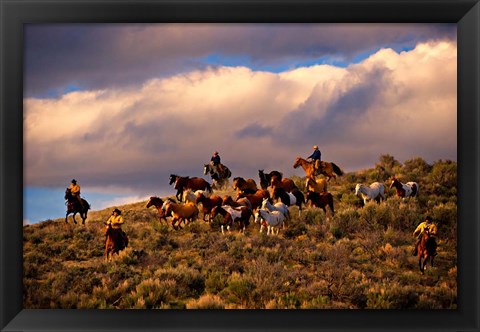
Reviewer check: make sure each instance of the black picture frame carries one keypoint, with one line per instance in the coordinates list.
(14, 14)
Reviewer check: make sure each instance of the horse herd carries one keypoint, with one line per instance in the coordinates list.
(268, 204)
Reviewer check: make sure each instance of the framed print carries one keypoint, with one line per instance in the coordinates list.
(188, 126)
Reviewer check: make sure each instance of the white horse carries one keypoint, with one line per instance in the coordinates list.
(279, 206)
(190, 196)
(271, 220)
(375, 191)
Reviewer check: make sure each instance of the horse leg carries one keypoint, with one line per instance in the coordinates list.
(107, 249)
(420, 264)
(66, 216)
(330, 204)
(74, 213)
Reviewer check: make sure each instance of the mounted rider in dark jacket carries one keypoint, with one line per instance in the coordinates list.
(215, 162)
(316, 156)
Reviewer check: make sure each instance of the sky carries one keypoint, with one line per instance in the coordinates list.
(120, 107)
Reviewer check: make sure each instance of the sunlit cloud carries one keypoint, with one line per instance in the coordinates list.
(401, 103)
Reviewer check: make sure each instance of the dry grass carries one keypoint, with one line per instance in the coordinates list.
(359, 258)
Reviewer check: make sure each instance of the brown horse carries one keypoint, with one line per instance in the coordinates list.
(158, 203)
(208, 203)
(266, 178)
(241, 185)
(116, 240)
(230, 215)
(255, 199)
(184, 182)
(321, 200)
(318, 185)
(426, 250)
(284, 183)
(228, 200)
(73, 206)
(329, 169)
(187, 212)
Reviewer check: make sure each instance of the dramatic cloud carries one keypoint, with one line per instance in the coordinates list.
(401, 103)
(67, 57)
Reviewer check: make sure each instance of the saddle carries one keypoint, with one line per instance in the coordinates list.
(318, 170)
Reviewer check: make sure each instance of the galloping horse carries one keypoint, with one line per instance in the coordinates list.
(180, 212)
(376, 191)
(230, 215)
(270, 220)
(426, 250)
(248, 186)
(228, 200)
(328, 168)
(279, 206)
(256, 198)
(74, 207)
(284, 183)
(184, 182)
(158, 203)
(220, 178)
(265, 179)
(409, 189)
(208, 203)
(318, 185)
(295, 197)
(116, 240)
(321, 200)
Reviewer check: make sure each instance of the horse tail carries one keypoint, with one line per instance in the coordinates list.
(337, 169)
(86, 204)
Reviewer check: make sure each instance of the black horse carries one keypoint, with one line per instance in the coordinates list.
(73, 206)
(266, 178)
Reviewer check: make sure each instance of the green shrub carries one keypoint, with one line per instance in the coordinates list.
(239, 290)
(216, 281)
(295, 229)
(190, 283)
(151, 293)
(207, 301)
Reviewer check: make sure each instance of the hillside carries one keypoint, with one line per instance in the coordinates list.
(359, 258)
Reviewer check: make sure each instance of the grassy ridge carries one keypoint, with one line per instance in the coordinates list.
(359, 258)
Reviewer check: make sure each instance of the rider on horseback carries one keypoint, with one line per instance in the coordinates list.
(215, 162)
(75, 189)
(116, 221)
(316, 156)
(428, 226)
